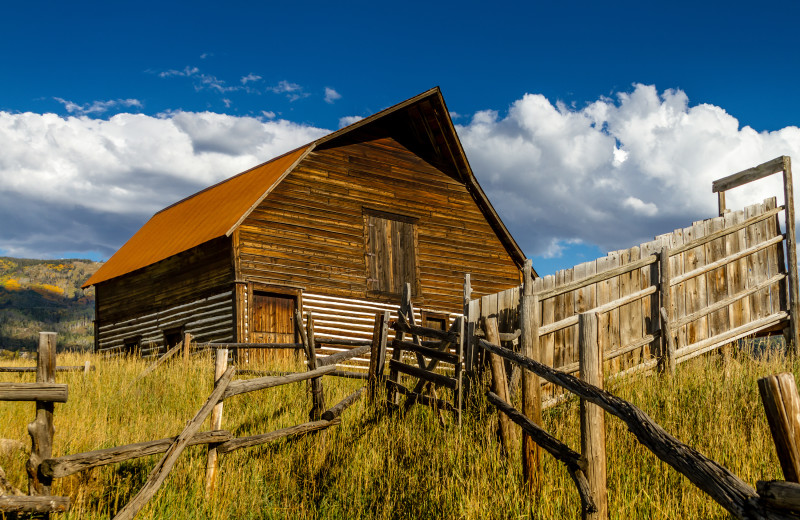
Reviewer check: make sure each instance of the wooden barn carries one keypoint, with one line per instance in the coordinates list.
(335, 227)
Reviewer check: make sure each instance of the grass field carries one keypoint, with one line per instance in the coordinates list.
(383, 466)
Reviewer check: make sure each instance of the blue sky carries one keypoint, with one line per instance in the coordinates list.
(548, 97)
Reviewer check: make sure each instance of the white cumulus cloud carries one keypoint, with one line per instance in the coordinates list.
(93, 182)
(616, 172)
(331, 95)
(349, 120)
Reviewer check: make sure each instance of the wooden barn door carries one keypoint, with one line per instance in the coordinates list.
(272, 321)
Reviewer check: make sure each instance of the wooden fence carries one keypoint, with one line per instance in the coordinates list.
(719, 280)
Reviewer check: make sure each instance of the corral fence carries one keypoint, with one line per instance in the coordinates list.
(665, 301)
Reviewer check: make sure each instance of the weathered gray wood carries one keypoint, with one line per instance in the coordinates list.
(749, 175)
(667, 358)
(724, 261)
(700, 347)
(220, 366)
(782, 406)
(733, 494)
(605, 275)
(161, 470)
(432, 377)
(531, 386)
(425, 351)
(576, 465)
(593, 425)
(45, 392)
(337, 409)
(606, 307)
(41, 430)
(335, 359)
(458, 395)
(721, 202)
(67, 465)
(724, 303)
(323, 340)
(780, 494)
(85, 368)
(243, 386)
(317, 392)
(35, 504)
(257, 440)
(499, 384)
(791, 254)
(701, 240)
(377, 355)
(347, 374)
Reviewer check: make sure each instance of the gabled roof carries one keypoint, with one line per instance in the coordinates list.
(421, 123)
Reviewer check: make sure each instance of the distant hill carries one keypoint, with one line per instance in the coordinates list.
(45, 295)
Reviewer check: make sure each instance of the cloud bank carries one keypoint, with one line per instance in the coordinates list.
(616, 172)
(613, 173)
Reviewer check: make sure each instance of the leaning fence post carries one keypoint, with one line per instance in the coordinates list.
(317, 396)
(593, 429)
(782, 406)
(220, 366)
(531, 387)
(499, 383)
(667, 359)
(377, 354)
(41, 429)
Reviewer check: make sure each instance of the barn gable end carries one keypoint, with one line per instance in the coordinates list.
(335, 227)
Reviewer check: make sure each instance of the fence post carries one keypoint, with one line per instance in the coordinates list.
(220, 366)
(499, 383)
(667, 358)
(593, 427)
(187, 340)
(377, 354)
(458, 394)
(791, 254)
(531, 386)
(317, 396)
(41, 429)
(782, 406)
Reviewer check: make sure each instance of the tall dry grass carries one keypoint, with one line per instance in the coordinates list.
(377, 465)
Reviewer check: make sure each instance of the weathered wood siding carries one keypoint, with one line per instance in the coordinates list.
(192, 289)
(309, 232)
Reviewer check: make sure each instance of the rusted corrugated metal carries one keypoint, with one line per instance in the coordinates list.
(204, 216)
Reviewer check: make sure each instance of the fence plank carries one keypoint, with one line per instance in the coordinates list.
(782, 406)
(593, 428)
(499, 384)
(759, 302)
(696, 287)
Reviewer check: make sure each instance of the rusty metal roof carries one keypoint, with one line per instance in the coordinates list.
(208, 214)
(218, 210)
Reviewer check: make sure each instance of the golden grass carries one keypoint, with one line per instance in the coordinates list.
(376, 465)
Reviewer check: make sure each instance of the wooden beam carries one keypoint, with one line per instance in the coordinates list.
(599, 277)
(749, 175)
(732, 493)
(780, 494)
(499, 384)
(576, 465)
(782, 406)
(606, 307)
(45, 392)
(37, 504)
(428, 352)
(377, 354)
(335, 359)
(257, 440)
(531, 386)
(243, 386)
(162, 469)
(724, 232)
(667, 357)
(317, 393)
(337, 409)
(67, 465)
(791, 254)
(432, 377)
(593, 422)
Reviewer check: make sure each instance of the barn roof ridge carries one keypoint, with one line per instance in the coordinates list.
(136, 253)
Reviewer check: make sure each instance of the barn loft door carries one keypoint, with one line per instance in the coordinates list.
(390, 246)
(272, 321)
